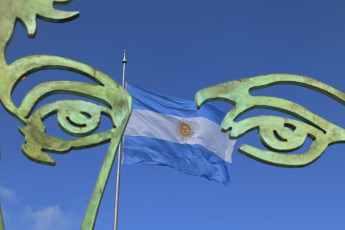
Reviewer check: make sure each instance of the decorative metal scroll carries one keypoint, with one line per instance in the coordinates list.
(76, 117)
(278, 134)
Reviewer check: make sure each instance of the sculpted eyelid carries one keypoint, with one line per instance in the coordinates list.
(279, 134)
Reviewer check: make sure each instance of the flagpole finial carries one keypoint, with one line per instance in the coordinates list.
(124, 56)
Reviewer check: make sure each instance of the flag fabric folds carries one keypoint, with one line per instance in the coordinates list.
(169, 131)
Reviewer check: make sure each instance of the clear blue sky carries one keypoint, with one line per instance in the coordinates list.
(177, 48)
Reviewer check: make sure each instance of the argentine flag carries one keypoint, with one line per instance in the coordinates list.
(172, 132)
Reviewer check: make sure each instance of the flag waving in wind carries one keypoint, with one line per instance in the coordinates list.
(172, 132)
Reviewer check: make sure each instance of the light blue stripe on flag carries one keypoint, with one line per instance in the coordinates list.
(172, 132)
(144, 99)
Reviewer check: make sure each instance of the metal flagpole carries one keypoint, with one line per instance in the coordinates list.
(124, 61)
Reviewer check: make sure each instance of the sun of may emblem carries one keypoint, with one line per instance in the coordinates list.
(185, 129)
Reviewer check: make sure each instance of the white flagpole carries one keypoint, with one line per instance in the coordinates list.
(124, 61)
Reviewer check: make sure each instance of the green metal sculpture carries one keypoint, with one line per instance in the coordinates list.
(76, 117)
(278, 134)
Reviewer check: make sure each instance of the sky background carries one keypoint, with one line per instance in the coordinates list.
(177, 48)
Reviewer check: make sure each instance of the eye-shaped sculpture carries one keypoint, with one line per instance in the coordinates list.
(278, 134)
(76, 117)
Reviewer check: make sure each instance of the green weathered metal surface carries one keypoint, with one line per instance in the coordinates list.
(278, 134)
(2, 227)
(76, 117)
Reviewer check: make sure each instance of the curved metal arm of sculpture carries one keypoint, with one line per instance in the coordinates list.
(76, 117)
(26, 11)
(278, 134)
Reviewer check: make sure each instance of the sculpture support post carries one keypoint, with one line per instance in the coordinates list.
(2, 227)
(124, 61)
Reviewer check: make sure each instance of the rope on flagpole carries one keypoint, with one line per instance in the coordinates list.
(124, 61)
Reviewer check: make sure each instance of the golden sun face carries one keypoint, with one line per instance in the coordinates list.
(185, 129)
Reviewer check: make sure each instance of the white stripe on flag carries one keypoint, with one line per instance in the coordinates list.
(166, 127)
